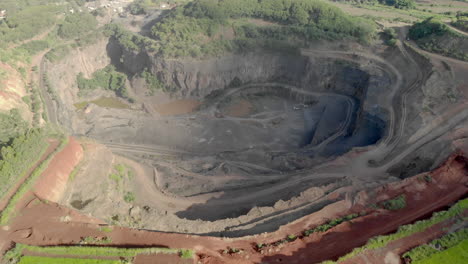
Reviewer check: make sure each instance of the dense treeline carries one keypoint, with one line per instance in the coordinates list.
(127, 39)
(197, 28)
(427, 250)
(401, 4)
(77, 24)
(11, 125)
(434, 36)
(426, 28)
(28, 22)
(462, 21)
(139, 7)
(107, 78)
(17, 158)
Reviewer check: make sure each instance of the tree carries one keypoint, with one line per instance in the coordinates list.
(405, 4)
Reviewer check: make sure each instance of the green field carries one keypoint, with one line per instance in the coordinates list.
(454, 255)
(45, 260)
(108, 102)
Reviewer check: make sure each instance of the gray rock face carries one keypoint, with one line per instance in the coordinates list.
(198, 78)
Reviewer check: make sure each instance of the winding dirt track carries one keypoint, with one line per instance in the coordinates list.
(357, 168)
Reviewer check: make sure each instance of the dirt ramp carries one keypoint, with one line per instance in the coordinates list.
(54, 179)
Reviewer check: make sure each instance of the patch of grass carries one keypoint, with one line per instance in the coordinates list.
(330, 224)
(101, 251)
(107, 102)
(129, 197)
(12, 125)
(7, 213)
(49, 260)
(395, 204)
(58, 53)
(95, 240)
(186, 253)
(454, 255)
(106, 229)
(446, 242)
(107, 78)
(406, 230)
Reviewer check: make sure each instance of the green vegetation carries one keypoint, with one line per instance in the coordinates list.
(461, 21)
(428, 27)
(390, 36)
(212, 27)
(129, 197)
(77, 251)
(395, 204)
(186, 253)
(106, 229)
(57, 53)
(198, 28)
(152, 81)
(76, 25)
(32, 47)
(7, 213)
(130, 41)
(330, 224)
(381, 241)
(27, 22)
(400, 4)
(120, 172)
(48, 260)
(95, 240)
(11, 125)
(434, 36)
(108, 102)
(19, 156)
(139, 7)
(454, 255)
(107, 78)
(446, 242)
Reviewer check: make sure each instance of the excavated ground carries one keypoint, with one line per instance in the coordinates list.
(251, 142)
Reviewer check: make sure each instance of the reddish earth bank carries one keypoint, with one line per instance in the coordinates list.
(54, 179)
(53, 144)
(449, 184)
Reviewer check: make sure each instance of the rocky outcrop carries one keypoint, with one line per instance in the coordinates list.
(198, 78)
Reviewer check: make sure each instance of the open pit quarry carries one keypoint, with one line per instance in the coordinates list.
(240, 154)
(251, 142)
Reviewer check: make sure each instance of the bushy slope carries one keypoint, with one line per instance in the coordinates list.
(434, 36)
(212, 27)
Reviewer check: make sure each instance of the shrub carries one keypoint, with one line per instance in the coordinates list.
(427, 27)
(395, 204)
(129, 197)
(76, 25)
(107, 78)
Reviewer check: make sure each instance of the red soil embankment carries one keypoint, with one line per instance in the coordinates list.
(53, 144)
(447, 185)
(53, 180)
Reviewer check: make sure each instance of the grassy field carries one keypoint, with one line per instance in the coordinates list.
(46, 260)
(407, 230)
(75, 253)
(454, 255)
(9, 210)
(108, 102)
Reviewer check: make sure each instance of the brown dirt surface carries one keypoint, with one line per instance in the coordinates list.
(53, 144)
(161, 259)
(53, 180)
(178, 107)
(423, 198)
